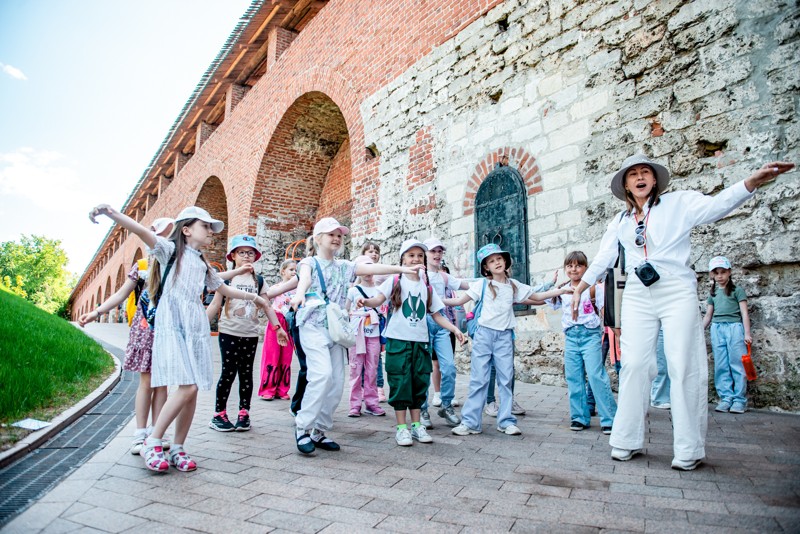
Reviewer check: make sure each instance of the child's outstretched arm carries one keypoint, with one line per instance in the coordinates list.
(447, 325)
(748, 338)
(457, 301)
(536, 298)
(302, 285)
(381, 268)
(372, 302)
(112, 302)
(213, 309)
(229, 275)
(709, 314)
(280, 288)
(145, 234)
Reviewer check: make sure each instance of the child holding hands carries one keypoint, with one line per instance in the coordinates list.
(325, 359)
(583, 355)
(182, 340)
(408, 357)
(494, 338)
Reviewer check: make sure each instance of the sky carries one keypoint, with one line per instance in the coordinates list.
(88, 91)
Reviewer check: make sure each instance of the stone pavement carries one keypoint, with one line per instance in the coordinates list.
(549, 479)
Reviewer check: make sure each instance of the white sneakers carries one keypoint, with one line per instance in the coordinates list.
(685, 465)
(491, 409)
(623, 455)
(510, 430)
(406, 437)
(464, 430)
(420, 434)
(437, 398)
(403, 437)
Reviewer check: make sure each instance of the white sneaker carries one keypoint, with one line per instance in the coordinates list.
(516, 409)
(511, 430)
(437, 398)
(464, 430)
(491, 409)
(455, 402)
(420, 434)
(623, 455)
(403, 438)
(685, 465)
(138, 441)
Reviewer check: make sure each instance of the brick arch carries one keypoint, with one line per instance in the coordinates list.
(120, 277)
(360, 201)
(214, 200)
(138, 255)
(306, 169)
(516, 157)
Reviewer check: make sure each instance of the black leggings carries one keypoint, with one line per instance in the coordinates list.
(237, 354)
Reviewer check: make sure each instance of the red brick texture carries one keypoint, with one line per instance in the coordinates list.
(516, 157)
(212, 198)
(350, 50)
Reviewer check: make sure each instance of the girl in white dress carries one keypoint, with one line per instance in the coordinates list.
(182, 341)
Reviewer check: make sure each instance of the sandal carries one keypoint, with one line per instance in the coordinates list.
(154, 458)
(182, 461)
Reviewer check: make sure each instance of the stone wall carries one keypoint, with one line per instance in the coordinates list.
(708, 88)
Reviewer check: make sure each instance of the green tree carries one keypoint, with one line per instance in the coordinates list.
(37, 265)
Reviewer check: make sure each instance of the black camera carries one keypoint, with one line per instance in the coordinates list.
(647, 274)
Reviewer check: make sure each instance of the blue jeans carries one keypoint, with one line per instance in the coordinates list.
(440, 342)
(583, 358)
(605, 347)
(490, 347)
(490, 398)
(659, 392)
(380, 370)
(727, 342)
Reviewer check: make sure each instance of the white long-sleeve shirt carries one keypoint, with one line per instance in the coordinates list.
(668, 229)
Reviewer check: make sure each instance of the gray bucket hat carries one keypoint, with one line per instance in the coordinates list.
(618, 181)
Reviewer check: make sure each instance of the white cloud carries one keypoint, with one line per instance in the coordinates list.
(14, 72)
(42, 177)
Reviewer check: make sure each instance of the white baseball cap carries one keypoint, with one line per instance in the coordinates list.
(433, 242)
(329, 224)
(161, 224)
(718, 262)
(411, 243)
(193, 212)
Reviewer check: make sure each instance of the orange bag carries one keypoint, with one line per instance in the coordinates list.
(749, 368)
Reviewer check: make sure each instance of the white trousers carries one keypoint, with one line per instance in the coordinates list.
(672, 305)
(325, 361)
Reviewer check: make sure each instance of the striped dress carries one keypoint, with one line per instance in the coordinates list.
(182, 342)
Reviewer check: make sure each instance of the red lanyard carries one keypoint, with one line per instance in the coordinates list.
(644, 234)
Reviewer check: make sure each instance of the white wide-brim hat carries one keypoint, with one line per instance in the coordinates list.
(618, 181)
(193, 212)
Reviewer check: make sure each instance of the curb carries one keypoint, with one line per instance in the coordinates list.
(33, 441)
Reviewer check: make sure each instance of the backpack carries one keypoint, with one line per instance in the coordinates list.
(472, 322)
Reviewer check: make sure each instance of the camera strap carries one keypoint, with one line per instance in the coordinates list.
(644, 235)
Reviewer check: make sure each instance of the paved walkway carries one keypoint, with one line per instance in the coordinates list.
(549, 479)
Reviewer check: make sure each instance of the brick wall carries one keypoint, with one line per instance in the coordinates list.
(212, 198)
(336, 200)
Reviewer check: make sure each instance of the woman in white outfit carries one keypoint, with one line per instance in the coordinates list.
(661, 292)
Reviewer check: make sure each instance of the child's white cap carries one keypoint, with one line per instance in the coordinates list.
(329, 224)
(411, 243)
(433, 242)
(718, 262)
(193, 212)
(161, 224)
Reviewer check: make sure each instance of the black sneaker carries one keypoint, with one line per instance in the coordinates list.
(221, 423)
(243, 422)
(577, 426)
(606, 430)
(321, 441)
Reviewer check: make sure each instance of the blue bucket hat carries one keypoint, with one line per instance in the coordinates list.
(487, 250)
(243, 241)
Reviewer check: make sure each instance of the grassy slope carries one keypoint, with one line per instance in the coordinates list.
(46, 364)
